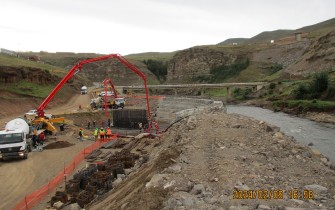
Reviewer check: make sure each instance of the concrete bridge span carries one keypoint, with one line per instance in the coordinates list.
(255, 86)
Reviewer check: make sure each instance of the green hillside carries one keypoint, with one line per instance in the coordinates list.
(233, 40)
(269, 35)
(161, 56)
(62, 59)
(325, 24)
(31, 84)
(6, 60)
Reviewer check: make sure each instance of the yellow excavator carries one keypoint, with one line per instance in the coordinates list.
(45, 122)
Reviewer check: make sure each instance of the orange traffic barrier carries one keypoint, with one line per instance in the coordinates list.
(30, 200)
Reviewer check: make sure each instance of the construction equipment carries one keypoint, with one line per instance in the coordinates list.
(45, 122)
(15, 140)
(83, 90)
(110, 82)
(77, 68)
(114, 103)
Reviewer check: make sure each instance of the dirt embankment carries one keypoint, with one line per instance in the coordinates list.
(12, 104)
(207, 160)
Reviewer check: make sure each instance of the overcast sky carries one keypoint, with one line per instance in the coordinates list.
(134, 26)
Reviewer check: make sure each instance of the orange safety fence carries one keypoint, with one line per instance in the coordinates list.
(30, 200)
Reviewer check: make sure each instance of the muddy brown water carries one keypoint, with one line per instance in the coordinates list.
(305, 131)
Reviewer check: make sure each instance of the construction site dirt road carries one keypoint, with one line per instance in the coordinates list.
(19, 177)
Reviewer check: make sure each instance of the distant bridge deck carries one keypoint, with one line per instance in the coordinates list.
(254, 85)
(218, 85)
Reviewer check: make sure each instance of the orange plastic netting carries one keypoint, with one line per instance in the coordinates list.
(30, 200)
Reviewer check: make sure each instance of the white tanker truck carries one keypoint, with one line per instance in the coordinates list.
(15, 141)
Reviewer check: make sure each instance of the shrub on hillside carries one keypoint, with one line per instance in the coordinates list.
(320, 86)
(241, 93)
(158, 68)
(223, 72)
(275, 67)
(272, 85)
(301, 92)
(330, 91)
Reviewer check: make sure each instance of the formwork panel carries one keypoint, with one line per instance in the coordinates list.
(129, 118)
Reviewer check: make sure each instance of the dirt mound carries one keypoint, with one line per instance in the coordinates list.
(58, 145)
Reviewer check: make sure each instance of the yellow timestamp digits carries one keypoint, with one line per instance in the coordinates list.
(258, 194)
(301, 194)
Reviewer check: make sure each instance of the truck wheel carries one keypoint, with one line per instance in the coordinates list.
(25, 156)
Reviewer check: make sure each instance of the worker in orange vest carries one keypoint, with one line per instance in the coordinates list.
(109, 133)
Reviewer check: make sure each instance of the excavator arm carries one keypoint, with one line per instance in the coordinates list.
(78, 67)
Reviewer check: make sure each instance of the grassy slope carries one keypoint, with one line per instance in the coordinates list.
(253, 73)
(306, 105)
(162, 56)
(322, 25)
(62, 59)
(28, 88)
(233, 40)
(269, 35)
(11, 61)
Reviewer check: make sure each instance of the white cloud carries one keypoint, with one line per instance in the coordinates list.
(132, 26)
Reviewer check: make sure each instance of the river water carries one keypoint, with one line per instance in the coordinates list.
(305, 131)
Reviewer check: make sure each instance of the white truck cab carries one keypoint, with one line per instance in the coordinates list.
(14, 141)
(83, 90)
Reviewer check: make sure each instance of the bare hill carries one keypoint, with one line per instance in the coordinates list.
(320, 56)
(315, 29)
(233, 40)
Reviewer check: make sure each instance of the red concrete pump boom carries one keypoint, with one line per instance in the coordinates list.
(75, 69)
(105, 82)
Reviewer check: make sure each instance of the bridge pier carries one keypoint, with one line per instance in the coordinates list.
(202, 91)
(254, 89)
(229, 89)
(259, 87)
(175, 91)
